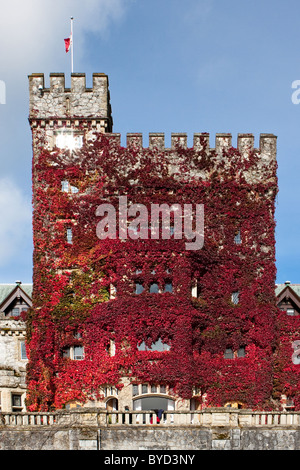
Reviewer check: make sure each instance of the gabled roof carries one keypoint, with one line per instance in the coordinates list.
(288, 291)
(10, 291)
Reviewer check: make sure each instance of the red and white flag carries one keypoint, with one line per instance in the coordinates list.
(68, 43)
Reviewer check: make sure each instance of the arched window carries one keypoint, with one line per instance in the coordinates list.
(154, 289)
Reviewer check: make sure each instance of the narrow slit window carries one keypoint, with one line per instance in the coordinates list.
(238, 238)
(235, 297)
(23, 350)
(69, 236)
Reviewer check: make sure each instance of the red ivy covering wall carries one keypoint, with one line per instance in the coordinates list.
(71, 281)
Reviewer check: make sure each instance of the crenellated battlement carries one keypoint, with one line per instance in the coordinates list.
(86, 111)
(78, 101)
(244, 142)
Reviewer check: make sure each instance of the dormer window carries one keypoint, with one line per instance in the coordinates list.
(18, 308)
(69, 140)
(290, 311)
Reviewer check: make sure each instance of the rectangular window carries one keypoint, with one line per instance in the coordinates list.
(153, 389)
(237, 238)
(23, 350)
(290, 311)
(228, 353)
(15, 312)
(235, 297)
(78, 353)
(16, 401)
(241, 352)
(69, 236)
(135, 390)
(66, 352)
(145, 388)
(65, 186)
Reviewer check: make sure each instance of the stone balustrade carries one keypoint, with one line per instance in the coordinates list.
(206, 418)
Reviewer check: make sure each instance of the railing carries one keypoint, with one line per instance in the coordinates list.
(208, 418)
(205, 417)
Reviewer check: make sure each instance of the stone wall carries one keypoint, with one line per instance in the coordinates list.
(90, 430)
(12, 365)
(149, 439)
(76, 101)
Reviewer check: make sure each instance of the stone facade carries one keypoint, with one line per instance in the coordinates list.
(63, 119)
(13, 358)
(13, 366)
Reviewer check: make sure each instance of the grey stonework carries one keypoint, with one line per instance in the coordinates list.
(150, 438)
(77, 101)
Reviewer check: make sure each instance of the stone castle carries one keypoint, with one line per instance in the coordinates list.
(140, 329)
(73, 145)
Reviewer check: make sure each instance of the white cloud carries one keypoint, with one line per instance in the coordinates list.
(15, 221)
(32, 36)
(32, 32)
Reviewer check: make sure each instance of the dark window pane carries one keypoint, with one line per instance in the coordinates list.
(139, 288)
(154, 288)
(228, 353)
(168, 287)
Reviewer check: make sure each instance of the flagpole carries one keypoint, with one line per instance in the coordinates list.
(72, 58)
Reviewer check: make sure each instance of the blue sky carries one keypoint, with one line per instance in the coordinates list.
(173, 66)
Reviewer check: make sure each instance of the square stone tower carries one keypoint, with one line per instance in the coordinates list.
(154, 267)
